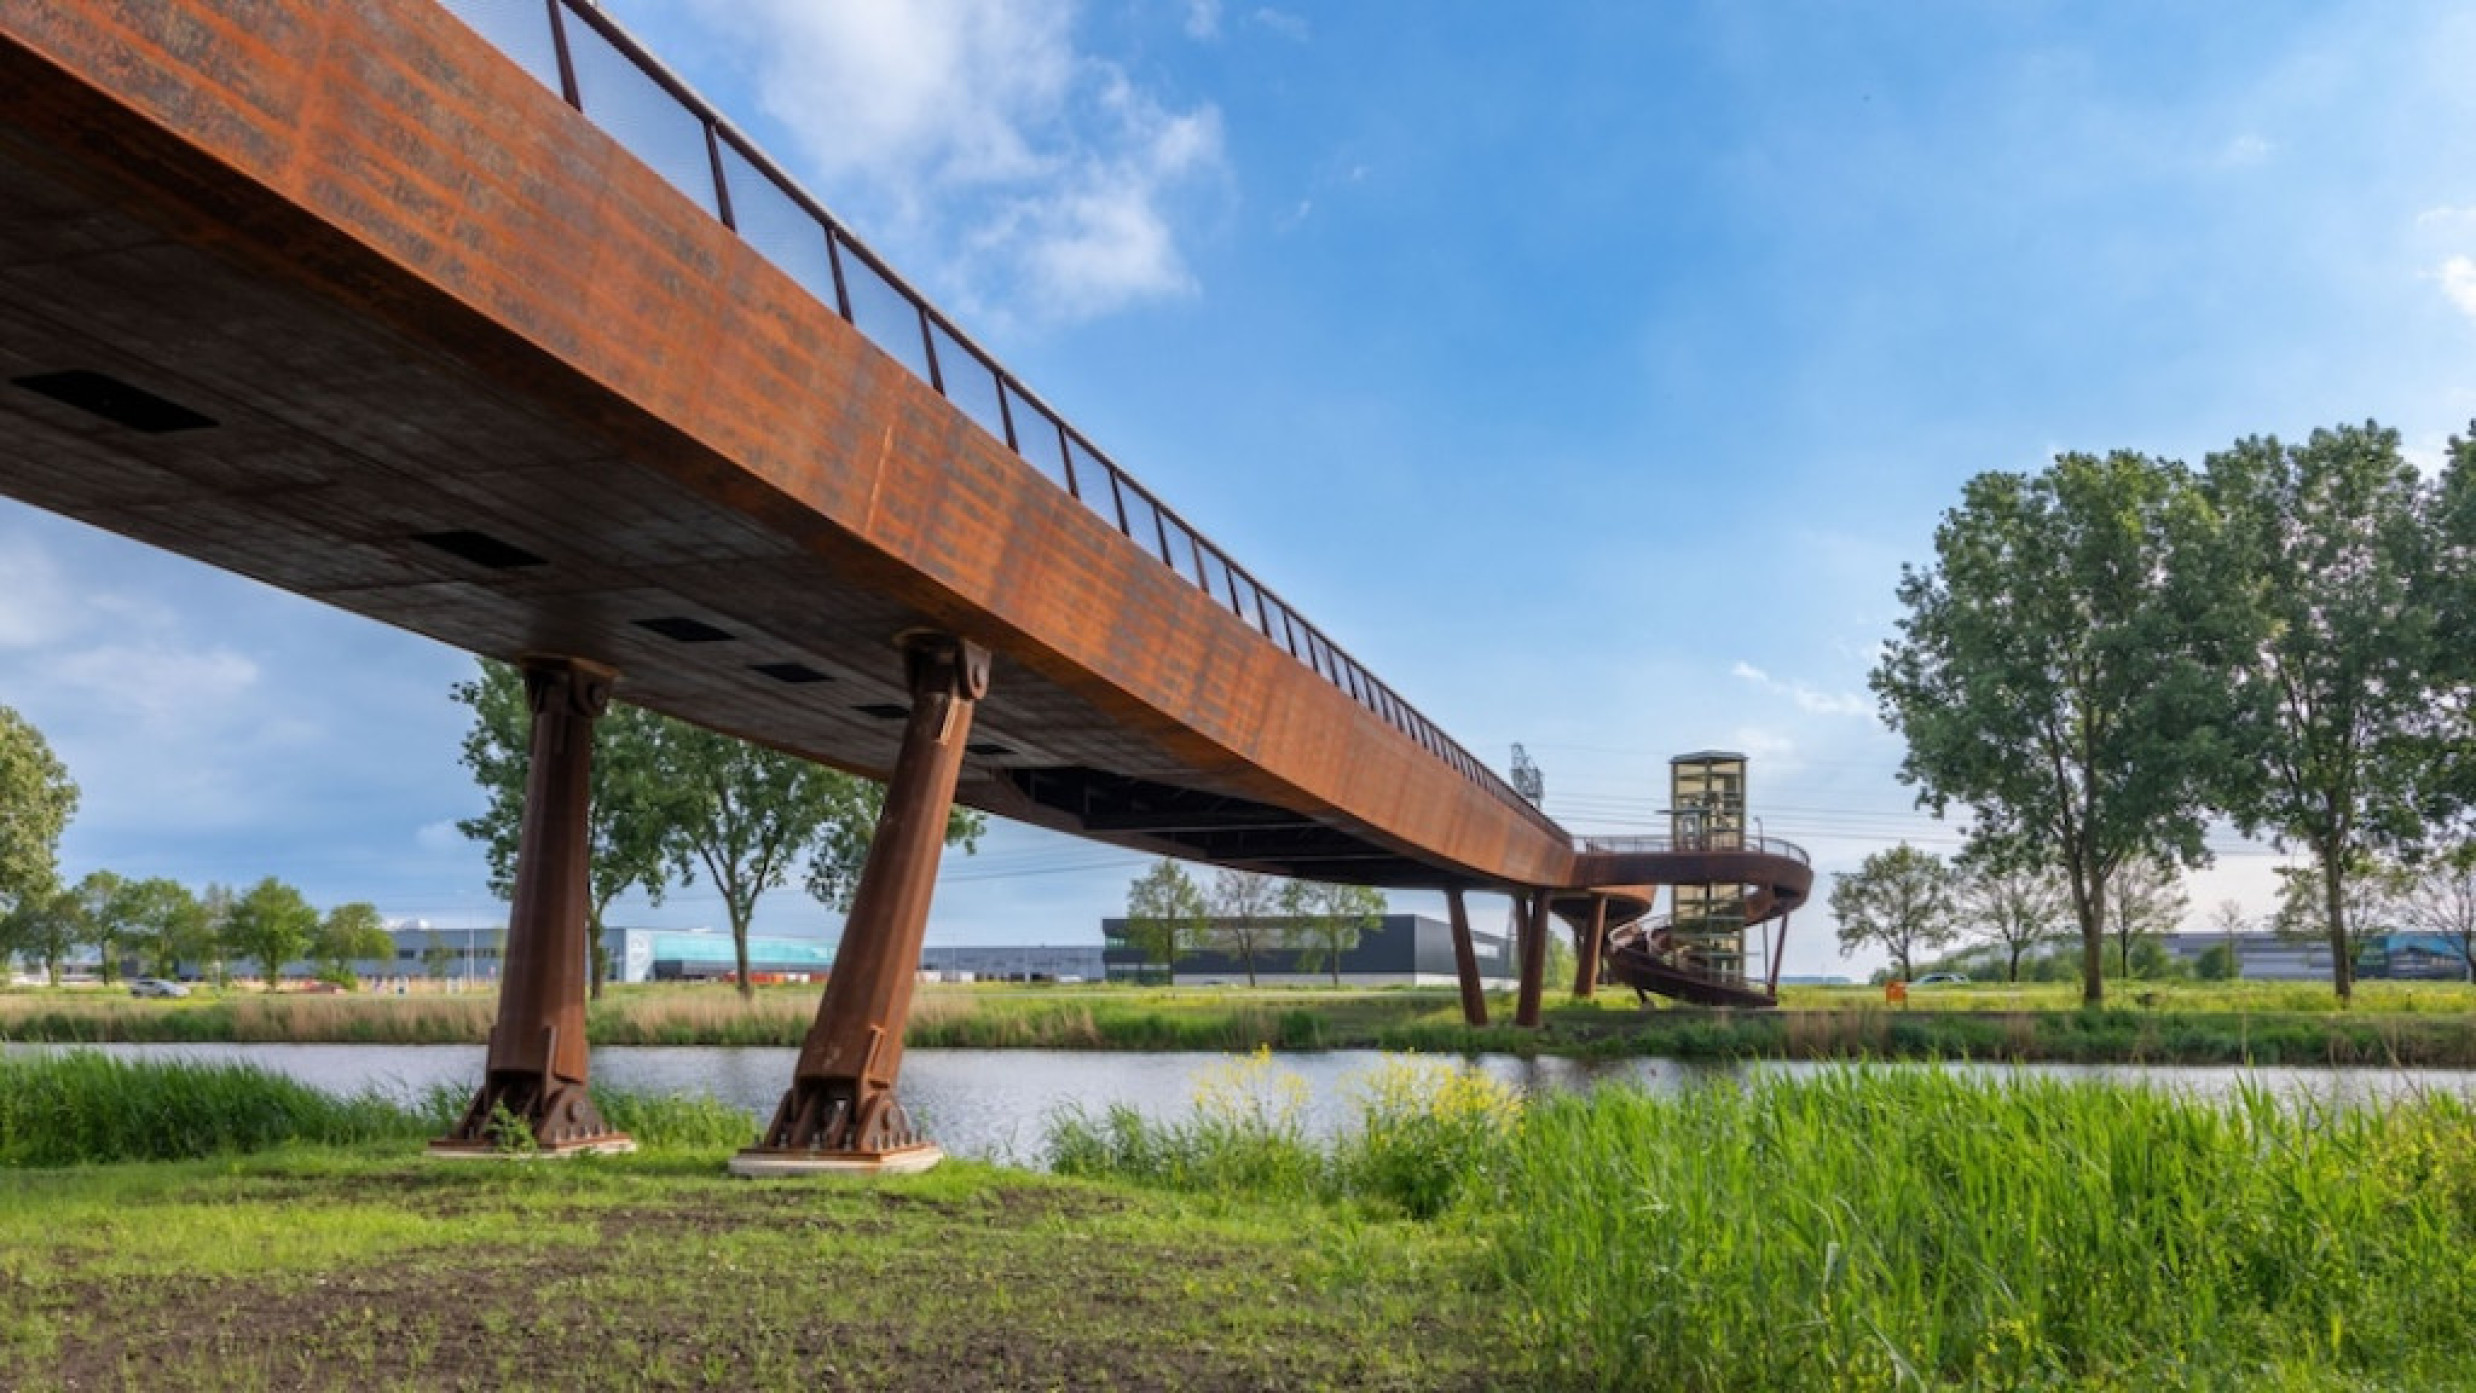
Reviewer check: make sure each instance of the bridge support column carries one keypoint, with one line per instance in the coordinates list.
(1586, 962)
(535, 1075)
(1534, 915)
(1466, 960)
(840, 1113)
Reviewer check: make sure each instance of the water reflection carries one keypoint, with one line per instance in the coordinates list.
(996, 1104)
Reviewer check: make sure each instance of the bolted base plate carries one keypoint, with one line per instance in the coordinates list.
(607, 1144)
(757, 1162)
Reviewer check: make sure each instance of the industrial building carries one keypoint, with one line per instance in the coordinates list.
(2271, 958)
(1403, 950)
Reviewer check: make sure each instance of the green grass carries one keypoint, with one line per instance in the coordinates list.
(2411, 1024)
(1864, 1228)
(365, 1267)
(1888, 1228)
(79, 1107)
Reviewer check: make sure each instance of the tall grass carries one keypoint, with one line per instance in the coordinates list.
(1875, 1228)
(1423, 1127)
(80, 1107)
(1890, 1228)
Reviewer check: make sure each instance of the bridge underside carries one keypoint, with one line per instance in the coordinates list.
(338, 298)
(241, 374)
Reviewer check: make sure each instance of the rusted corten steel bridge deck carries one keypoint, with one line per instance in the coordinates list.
(342, 298)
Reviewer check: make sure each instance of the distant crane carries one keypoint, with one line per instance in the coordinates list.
(1527, 780)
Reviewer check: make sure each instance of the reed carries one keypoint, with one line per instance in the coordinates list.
(1876, 1228)
(81, 1107)
(1870, 1228)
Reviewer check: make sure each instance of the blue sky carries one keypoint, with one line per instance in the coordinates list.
(1589, 370)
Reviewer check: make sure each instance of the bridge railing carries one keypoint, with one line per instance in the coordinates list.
(604, 73)
(1716, 840)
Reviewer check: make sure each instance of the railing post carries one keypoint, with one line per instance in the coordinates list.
(569, 92)
(722, 184)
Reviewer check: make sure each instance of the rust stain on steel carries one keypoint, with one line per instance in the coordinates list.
(537, 1066)
(312, 149)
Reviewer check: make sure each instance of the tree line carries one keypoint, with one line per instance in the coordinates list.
(671, 802)
(2110, 655)
(166, 928)
(155, 921)
(1248, 917)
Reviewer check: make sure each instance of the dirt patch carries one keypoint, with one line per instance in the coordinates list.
(451, 1327)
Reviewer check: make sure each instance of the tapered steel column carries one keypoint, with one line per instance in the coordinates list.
(1586, 966)
(840, 1112)
(1466, 960)
(535, 1075)
(1534, 911)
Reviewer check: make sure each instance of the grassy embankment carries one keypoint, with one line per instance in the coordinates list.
(2411, 1024)
(1861, 1229)
(344, 1260)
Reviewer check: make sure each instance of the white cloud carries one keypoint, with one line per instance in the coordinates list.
(2246, 150)
(440, 836)
(1042, 174)
(2458, 276)
(1808, 699)
(36, 603)
(2448, 220)
(1203, 19)
(1282, 22)
(162, 687)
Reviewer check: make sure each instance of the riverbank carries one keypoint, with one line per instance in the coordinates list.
(1858, 1229)
(2409, 1025)
(373, 1269)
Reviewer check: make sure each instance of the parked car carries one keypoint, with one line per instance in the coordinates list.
(156, 986)
(1942, 979)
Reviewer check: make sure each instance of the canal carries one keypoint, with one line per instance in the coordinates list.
(997, 1104)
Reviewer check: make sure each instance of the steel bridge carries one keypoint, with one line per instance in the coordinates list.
(373, 302)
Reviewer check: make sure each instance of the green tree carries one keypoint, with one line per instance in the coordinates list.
(215, 902)
(272, 923)
(102, 906)
(2059, 670)
(1242, 907)
(2148, 900)
(853, 806)
(630, 801)
(349, 933)
(163, 922)
(43, 925)
(2440, 899)
(1903, 900)
(742, 815)
(2230, 920)
(2333, 554)
(2450, 778)
(1166, 916)
(2013, 910)
(438, 956)
(37, 800)
(1328, 920)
